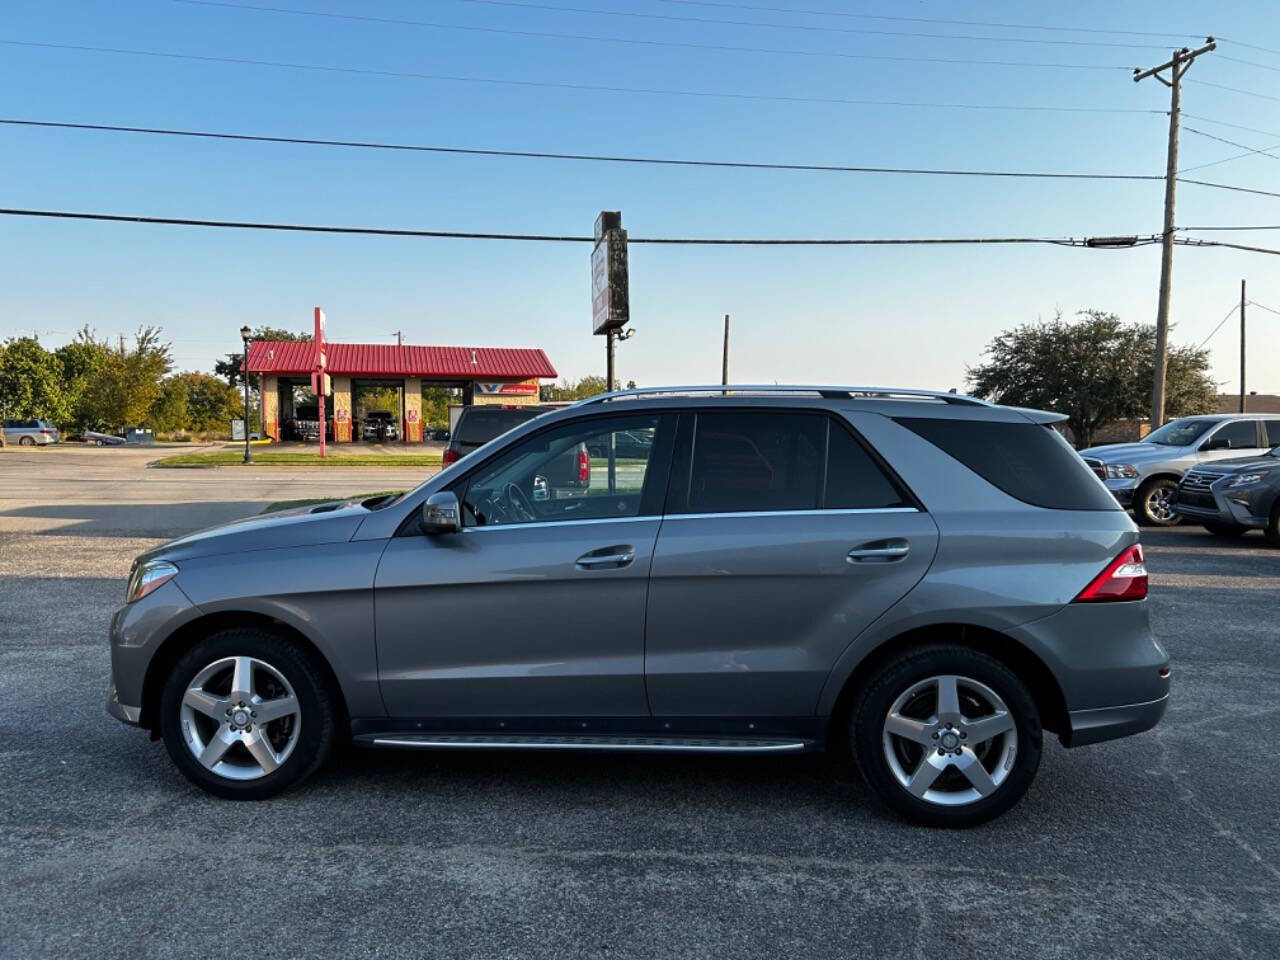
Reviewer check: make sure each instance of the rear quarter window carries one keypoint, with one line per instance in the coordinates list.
(480, 426)
(1027, 461)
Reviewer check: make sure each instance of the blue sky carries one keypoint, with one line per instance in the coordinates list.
(906, 316)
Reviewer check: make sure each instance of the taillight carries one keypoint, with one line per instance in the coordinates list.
(584, 468)
(1125, 578)
(451, 455)
(47, 432)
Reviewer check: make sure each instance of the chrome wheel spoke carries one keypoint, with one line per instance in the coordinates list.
(984, 728)
(269, 710)
(242, 678)
(218, 745)
(205, 703)
(930, 767)
(261, 750)
(969, 764)
(948, 700)
(917, 731)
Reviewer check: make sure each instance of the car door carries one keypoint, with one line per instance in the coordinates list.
(1233, 439)
(536, 608)
(785, 536)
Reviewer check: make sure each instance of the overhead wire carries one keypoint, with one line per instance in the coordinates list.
(636, 41)
(565, 85)
(1249, 151)
(1230, 314)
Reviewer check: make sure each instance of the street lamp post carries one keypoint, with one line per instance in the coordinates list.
(245, 335)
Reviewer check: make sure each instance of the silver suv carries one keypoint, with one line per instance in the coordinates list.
(30, 433)
(1145, 475)
(922, 581)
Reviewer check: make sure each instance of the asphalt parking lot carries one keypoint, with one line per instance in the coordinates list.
(1163, 845)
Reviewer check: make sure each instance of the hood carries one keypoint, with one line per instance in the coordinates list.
(1131, 452)
(334, 522)
(1220, 468)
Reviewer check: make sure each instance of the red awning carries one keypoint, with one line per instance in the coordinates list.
(297, 357)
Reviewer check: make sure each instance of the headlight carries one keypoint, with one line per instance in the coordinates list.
(1245, 479)
(1120, 471)
(147, 577)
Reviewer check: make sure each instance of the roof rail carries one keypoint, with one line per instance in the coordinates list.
(828, 392)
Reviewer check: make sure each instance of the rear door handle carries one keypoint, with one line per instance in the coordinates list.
(879, 551)
(607, 557)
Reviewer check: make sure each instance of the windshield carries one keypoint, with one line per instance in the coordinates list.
(1179, 433)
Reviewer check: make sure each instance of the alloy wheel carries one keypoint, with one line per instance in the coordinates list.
(240, 718)
(949, 740)
(1160, 503)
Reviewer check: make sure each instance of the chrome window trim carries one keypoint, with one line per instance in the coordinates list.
(743, 514)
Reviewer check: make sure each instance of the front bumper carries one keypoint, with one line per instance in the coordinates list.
(137, 631)
(121, 711)
(1229, 510)
(1123, 490)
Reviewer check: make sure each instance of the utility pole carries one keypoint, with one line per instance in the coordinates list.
(399, 338)
(608, 361)
(724, 364)
(1177, 65)
(1242, 301)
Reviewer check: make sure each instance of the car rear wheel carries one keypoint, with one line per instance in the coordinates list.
(1226, 529)
(946, 736)
(246, 714)
(26, 442)
(1154, 503)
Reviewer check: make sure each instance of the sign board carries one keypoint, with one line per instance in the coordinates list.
(321, 384)
(237, 429)
(609, 295)
(519, 389)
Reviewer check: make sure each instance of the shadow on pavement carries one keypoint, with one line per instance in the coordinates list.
(135, 519)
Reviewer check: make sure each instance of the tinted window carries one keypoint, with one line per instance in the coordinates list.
(1242, 434)
(478, 425)
(1180, 433)
(1273, 432)
(854, 479)
(1027, 461)
(574, 472)
(756, 461)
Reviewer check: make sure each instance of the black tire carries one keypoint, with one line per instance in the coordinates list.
(1149, 503)
(26, 442)
(1228, 530)
(877, 696)
(318, 710)
(1272, 530)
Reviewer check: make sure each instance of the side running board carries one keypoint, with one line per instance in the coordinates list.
(449, 741)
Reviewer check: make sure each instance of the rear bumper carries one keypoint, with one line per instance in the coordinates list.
(1110, 723)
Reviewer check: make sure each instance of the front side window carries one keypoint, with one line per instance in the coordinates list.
(1179, 433)
(1273, 432)
(1236, 435)
(586, 470)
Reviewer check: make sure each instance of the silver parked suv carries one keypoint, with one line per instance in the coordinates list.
(1145, 475)
(922, 580)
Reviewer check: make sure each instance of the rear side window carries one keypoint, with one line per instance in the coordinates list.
(1239, 435)
(480, 426)
(1027, 461)
(1272, 428)
(854, 479)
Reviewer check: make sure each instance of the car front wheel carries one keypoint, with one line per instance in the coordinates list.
(246, 714)
(1154, 503)
(946, 736)
(1226, 529)
(1272, 530)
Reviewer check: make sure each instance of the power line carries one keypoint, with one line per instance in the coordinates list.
(1251, 46)
(1233, 126)
(547, 155)
(560, 85)
(556, 238)
(1251, 63)
(1231, 187)
(1260, 306)
(1249, 151)
(1195, 242)
(1247, 93)
(807, 27)
(683, 45)
(1230, 314)
(1254, 227)
(964, 23)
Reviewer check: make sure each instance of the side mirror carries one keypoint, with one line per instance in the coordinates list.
(441, 514)
(1217, 443)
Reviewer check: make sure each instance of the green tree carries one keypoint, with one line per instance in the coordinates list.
(572, 389)
(211, 403)
(171, 411)
(1096, 370)
(31, 383)
(82, 361)
(129, 382)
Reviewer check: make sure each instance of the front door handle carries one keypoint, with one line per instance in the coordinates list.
(607, 557)
(879, 551)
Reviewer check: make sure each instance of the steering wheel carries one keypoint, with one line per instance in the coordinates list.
(517, 504)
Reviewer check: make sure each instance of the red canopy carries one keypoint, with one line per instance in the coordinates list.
(297, 357)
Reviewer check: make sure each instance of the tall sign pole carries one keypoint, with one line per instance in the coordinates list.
(1242, 388)
(724, 360)
(318, 379)
(610, 295)
(1177, 66)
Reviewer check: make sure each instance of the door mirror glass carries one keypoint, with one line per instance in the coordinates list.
(440, 514)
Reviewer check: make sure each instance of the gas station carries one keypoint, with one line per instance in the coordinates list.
(481, 375)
